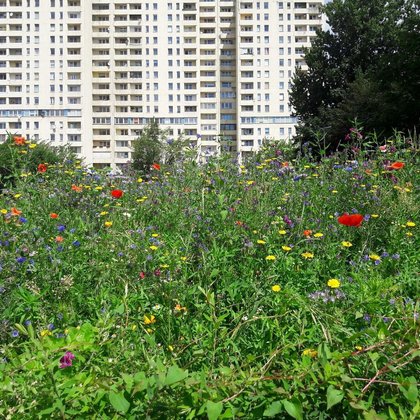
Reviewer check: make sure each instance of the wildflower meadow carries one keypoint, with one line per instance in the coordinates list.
(282, 287)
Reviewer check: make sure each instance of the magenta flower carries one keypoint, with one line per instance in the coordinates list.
(66, 360)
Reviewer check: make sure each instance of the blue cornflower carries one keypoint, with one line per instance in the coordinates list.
(15, 333)
(20, 260)
(61, 228)
(23, 219)
(76, 243)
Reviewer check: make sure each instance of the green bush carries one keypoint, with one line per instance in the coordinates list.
(18, 155)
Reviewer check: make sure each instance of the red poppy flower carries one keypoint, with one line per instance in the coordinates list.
(117, 193)
(307, 232)
(350, 219)
(19, 141)
(42, 168)
(396, 166)
(54, 216)
(156, 166)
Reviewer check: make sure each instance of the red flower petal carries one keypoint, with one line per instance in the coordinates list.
(350, 219)
(117, 193)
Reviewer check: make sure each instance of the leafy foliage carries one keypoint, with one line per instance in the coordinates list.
(364, 67)
(214, 291)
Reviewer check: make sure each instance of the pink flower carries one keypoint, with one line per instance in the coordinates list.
(67, 360)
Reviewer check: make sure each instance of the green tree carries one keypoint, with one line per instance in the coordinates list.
(364, 67)
(149, 147)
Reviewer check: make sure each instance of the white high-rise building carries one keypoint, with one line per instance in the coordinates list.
(91, 73)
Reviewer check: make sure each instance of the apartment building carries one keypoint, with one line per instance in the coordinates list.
(92, 73)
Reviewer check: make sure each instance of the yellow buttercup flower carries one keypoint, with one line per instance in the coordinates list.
(276, 288)
(375, 216)
(149, 319)
(270, 258)
(318, 235)
(310, 352)
(108, 224)
(286, 248)
(282, 232)
(153, 247)
(374, 257)
(307, 255)
(346, 244)
(333, 283)
(261, 242)
(410, 224)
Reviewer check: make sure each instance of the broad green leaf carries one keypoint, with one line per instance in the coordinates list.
(175, 374)
(119, 402)
(294, 408)
(334, 396)
(273, 409)
(214, 409)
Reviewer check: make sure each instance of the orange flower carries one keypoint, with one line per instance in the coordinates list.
(54, 215)
(156, 166)
(307, 232)
(15, 211)
(19, 141)
(59, 239)
(285, 164)
(76, 188)
(42, 168)
(396, 166)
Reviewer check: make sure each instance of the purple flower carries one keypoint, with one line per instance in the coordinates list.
(20, 260)
(66, 360)
(15, 333)
(61, 228)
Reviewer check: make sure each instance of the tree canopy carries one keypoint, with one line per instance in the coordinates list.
(365, 66)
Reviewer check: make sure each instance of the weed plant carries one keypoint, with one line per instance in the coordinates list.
(213, 291)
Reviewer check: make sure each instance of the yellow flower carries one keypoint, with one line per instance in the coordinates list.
(149, 319)
(270, 258)
(3, 211)
(409, 234)
(310, 352)
(45, 332)
(286, 248)
(374, 257)
(170, 348)
(307, 255)
(32, 146)
(282, 232)
(261, 242)
(108, 224)
(358, 348)
(334, 191)
(410, 224)
(153, 247)
(155, 235)
(99, 188)
(17, 195)
(333, 283)
(103, 213)
(140, 180)
(346, 244)
(276, 288)
(183, 258)
(375, 216)
(164, 266)
(318, 235)
(250, 182)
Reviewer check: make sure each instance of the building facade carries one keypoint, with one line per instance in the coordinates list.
(92, 73)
